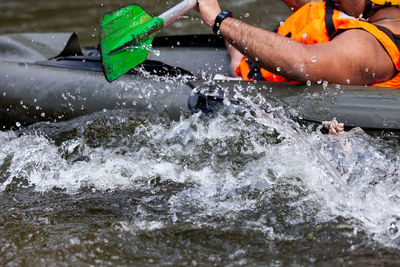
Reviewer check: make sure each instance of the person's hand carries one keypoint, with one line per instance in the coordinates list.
(209, 10)
(334, 127)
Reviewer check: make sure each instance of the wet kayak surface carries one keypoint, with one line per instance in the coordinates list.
(240, 187)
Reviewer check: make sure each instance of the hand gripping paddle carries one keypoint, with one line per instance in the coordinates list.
(127, 33)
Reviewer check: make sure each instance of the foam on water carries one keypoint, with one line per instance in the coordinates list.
(221, 162)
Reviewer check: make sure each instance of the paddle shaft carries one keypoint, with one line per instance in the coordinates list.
(175, 12)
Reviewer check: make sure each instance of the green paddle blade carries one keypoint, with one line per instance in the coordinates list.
(125, 39)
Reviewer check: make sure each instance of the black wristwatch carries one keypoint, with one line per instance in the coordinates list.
(218, 20)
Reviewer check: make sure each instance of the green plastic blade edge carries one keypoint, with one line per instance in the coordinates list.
(126, 36)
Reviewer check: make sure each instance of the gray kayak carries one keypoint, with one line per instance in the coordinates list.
(49, 77)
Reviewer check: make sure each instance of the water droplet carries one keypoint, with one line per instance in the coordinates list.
(348, 81)
(308, 83)
(366, 69)
(246, 15)
(314, 59)
(43, 115)
(325, 84)
(157, 53)
(18, 124)
(236, 24)
(278, 69)
(304, 36)
(393, 229)
(256, 58)
(282, 23)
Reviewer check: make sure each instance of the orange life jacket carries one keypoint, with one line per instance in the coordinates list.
(318, 22)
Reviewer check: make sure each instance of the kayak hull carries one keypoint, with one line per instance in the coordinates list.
(54, 94)
(34, 88)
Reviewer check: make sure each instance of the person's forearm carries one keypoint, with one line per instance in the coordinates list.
(269, 50)
(341, 60)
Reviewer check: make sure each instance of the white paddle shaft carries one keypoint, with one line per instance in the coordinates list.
(174, 13)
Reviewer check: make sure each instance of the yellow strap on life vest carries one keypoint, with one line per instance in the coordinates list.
(383, 2)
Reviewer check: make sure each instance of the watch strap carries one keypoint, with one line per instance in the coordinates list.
(218, 20)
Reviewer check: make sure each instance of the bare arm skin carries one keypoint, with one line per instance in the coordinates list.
(236, 56)
(354, 57)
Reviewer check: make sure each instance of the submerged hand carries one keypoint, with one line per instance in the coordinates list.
(209, 10)
(334, 127)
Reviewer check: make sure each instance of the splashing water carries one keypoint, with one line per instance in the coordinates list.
(253, 174)
(246, 188)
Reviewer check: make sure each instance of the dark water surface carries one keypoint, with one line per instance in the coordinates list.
(113, 188)
(84, 16)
